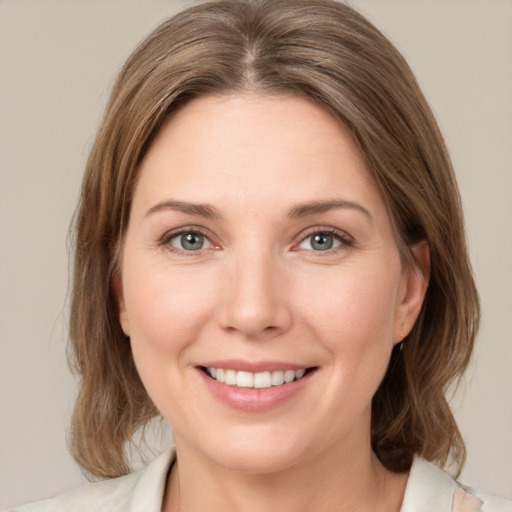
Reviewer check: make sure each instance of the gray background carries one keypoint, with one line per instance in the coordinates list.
(57, 63)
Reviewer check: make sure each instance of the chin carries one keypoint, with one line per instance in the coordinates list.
(253, 451)
(265, 461)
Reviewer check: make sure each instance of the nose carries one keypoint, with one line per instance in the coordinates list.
(254, 301)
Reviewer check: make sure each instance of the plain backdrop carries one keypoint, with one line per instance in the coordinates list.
(57, 63)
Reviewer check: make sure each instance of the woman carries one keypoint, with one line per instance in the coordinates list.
(270, 253)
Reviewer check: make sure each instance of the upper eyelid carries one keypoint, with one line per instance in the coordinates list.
(171, 233)
(165, 240)
(326, 229)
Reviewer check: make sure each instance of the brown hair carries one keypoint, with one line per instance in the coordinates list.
(327, 52)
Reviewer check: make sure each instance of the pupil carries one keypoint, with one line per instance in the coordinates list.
(322, 242)
(192, 241)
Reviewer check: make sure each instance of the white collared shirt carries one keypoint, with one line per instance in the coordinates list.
(429, 489)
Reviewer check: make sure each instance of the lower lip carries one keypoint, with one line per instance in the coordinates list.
(251, 399)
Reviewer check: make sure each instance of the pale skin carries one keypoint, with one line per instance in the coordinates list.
(257, 235)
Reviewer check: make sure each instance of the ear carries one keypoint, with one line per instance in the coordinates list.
(117, 285)
(413, 287)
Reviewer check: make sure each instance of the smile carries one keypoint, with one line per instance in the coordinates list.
(260, 380)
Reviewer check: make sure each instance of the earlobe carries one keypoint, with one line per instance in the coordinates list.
(117, 286)
(415, 279)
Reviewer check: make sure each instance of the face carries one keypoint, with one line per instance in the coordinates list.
(260, 282)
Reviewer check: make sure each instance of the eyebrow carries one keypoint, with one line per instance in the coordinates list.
(316, 207)
(200, 210)
(297, 212)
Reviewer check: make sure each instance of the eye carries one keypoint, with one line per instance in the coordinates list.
(325, 240)
(187, 241)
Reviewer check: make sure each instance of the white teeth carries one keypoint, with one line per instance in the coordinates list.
(289, 375)
(230, 377)
(255, 380)
(300, 373)
(245, 379)
(262, 380)
(277, 378)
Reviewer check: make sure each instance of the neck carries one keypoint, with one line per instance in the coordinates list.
(341, 480)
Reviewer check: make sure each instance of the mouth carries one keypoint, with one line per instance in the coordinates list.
(259, 380)
(257, 386)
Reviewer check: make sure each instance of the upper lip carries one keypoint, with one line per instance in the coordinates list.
(253, 366)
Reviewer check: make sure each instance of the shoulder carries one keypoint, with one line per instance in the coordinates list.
(109, 495)
(142, 490)
(488, 502)
(429, 488)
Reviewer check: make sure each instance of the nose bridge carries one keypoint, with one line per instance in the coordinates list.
(254, 301)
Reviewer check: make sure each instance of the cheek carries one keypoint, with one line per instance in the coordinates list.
(167, 311)
(354, 312)
(163, 306)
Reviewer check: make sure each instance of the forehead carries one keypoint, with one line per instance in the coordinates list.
(254, 142)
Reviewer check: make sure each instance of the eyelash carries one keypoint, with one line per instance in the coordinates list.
(342, 237)
(165, 241)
